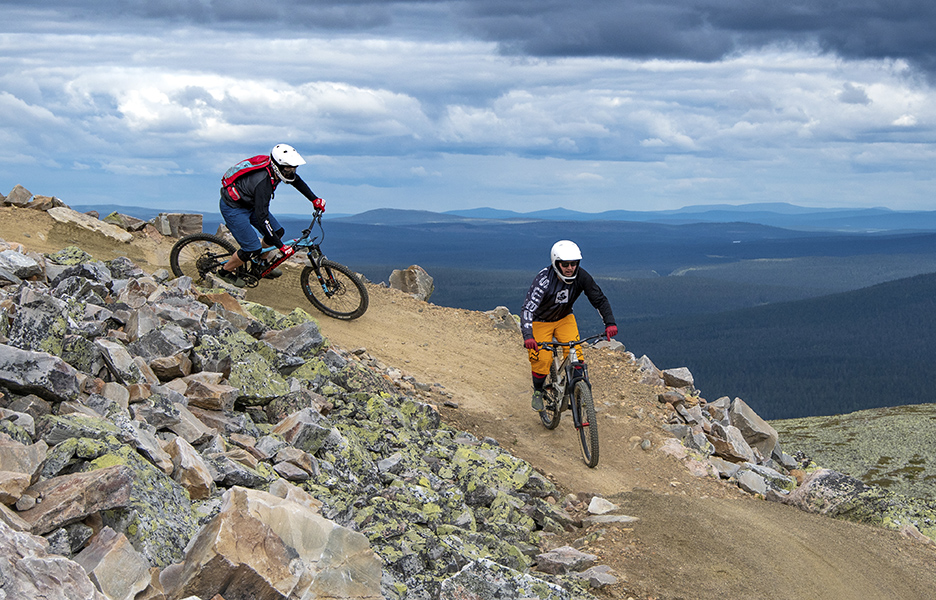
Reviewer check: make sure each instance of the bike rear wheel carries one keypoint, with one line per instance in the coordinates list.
(588, 432)
(551, 400)
(198, 254)
(335, 290)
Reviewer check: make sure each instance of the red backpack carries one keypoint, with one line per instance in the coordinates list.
(248, 165)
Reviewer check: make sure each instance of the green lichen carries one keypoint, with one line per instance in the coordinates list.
(70, 256)
(159, 520)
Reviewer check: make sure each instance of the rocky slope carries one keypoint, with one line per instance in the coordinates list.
(696, 536)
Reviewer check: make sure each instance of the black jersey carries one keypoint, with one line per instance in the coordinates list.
(256, 190)
(550, 299)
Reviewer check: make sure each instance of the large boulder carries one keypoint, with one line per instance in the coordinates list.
(302, 554)
(30, 571)
(413, 280)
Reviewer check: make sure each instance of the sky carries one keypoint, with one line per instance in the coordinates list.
(589, 105)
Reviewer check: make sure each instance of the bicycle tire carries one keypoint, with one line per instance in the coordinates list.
(551, 400)
(346, 298)
(198, 254)
(588, 432)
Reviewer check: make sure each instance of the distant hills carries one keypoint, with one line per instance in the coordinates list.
(776, 214)
(788, 216)
(835, 354)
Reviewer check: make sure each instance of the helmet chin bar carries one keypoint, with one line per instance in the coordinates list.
(280, 173)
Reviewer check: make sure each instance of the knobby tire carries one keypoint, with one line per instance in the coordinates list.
(551, 400)
(348, 297)
(588, 433)
(198, 254)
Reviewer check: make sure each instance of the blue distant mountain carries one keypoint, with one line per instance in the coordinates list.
(776, 214)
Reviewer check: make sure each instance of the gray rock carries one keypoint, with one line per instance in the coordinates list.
(169, 340)
(70, 498)
(114, 566)
(177, 224)
(484, 578)
(39, 373)
(40, 324)
(66, 215)
(413, 280)
(598, 576)
(18, 196)
(751, 482)
(29, 571)
(119, 362)
(730, 443)
(303, 555)
(304, 430)
(20, 265)
(302, 340)
(756, 431)
(679, 377)
(564, 559)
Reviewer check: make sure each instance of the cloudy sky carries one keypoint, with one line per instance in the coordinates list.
(590, 105)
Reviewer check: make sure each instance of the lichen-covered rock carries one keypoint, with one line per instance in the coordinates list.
(40, 325)
(838, 495)
(38, 373)
(486, 579)
(159, 519)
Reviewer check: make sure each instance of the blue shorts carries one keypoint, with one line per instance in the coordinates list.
(240, 222)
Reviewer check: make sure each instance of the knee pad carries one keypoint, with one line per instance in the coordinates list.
(246, 255)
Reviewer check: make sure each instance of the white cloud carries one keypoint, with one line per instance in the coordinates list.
(420, 120)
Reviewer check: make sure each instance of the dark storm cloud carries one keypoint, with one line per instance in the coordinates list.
(702, 30)
(706, 29)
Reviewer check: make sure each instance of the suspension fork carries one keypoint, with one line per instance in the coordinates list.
(577, 371)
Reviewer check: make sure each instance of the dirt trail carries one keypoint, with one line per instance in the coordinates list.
(695, 538)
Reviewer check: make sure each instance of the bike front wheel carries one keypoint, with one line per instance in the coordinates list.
(552, 402)
(199, 254)
(588, 431)
(335, 290)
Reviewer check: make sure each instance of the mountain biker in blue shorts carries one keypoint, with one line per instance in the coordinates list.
(246, 192)
(547, 309)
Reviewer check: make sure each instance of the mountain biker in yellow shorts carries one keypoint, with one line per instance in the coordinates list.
(547, 309)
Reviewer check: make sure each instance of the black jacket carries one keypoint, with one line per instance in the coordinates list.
(550, 299)
(256, 191)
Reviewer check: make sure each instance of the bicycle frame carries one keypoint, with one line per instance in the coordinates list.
(573, 369)
(314, 251)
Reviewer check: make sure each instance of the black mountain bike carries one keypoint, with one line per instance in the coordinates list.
(331, 287)
(567, 386)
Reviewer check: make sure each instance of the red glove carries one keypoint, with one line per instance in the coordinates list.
(530, 344)
(611, 331)
(319, 204)
(287, 251)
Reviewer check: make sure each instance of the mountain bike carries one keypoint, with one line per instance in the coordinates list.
(567, 386)
(331, 287)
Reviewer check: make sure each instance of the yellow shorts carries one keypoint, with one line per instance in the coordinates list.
(563, 330)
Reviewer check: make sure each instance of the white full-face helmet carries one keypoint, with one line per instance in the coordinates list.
(565, 251)
(284, 155)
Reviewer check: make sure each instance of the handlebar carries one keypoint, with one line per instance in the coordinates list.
(316, 218)
(554, 345)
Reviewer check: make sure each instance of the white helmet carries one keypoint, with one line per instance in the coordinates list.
(284, 155)
(566, 251)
